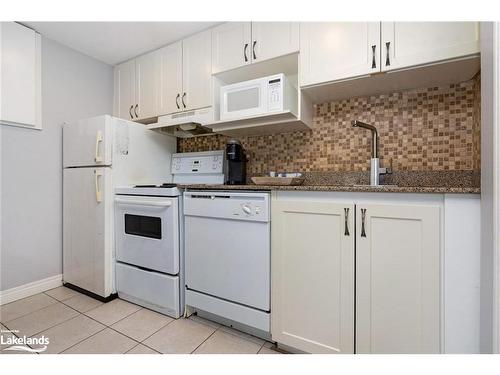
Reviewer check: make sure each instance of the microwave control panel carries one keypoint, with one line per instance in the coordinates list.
(275, 93)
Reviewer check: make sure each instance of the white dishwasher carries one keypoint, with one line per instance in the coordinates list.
(228, 255)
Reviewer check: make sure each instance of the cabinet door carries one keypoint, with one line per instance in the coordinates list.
(197, 71)
(397, 279)
(125, 90)
(171, 78)
(147, 83)
(312, 294)
(406, 44)
(273, 39)
(231, 46)
(331, 51)
(20, 75)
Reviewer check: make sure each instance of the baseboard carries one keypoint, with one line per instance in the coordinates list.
(26, 290)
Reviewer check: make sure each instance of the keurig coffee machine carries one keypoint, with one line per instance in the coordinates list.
(236, 163)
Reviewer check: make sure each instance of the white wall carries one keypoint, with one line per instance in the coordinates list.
(73, 86)
(488, 168)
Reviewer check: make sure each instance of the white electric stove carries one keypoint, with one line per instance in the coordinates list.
(149, 233)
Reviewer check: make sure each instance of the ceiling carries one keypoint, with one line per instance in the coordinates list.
(115, 42)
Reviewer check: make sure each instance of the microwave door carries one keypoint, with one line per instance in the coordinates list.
(246, 101)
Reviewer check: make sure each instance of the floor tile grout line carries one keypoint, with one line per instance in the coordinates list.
(20, 316)
(50, 327)
(195, 349)
(158, 330)
(86, 338)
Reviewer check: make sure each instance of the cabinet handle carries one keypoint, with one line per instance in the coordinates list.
(183, 103)
(363, 215)
(245, 52)
(253, 50)
(346, 219)
(374, 63)
(135, 110)
(130, 112)
(177, 101)
(387, 56)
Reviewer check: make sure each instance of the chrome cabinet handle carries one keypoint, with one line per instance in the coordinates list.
(253, 50)
(177, 101)
(387, 57)
(130, 111)
(183, 103)
(346, 219)
(363, 215)
(374, 63)
(245, 52)
(135, 110)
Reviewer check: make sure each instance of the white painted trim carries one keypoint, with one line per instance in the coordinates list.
(496, 188)
(26, 290)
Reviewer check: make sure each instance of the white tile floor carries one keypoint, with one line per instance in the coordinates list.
(75, 323)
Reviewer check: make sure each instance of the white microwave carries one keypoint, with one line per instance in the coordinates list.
(257, 97)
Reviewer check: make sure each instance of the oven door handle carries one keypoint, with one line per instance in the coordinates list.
(143, 203)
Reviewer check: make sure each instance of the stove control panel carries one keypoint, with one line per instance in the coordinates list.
(199, 167)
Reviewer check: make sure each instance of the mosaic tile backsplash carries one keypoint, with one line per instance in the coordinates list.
(428, 129)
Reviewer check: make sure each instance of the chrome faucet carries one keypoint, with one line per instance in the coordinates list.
(375, 170)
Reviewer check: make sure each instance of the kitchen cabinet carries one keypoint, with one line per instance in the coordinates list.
(273, 39)
(406, 44)
(171, 78)
(20, 76)
(394, 249)
(231, 46)
(186, 81)
(147, 87)
(196, 71)
(313, 275)
(236, 44)
(331, 51)
(340, 51)
(397, 279)
(137, 87)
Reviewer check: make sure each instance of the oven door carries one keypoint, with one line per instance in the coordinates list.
(147, 232)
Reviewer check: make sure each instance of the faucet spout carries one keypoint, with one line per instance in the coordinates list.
(373, 129)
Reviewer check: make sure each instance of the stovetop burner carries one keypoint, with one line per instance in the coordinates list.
(164, 185)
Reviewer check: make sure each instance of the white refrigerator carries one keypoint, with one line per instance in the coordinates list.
(100, 153)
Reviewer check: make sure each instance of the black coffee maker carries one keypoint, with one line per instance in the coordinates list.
(236, 163)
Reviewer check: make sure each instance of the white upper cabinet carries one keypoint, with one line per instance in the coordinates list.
(274, 39)
(137, 87)
(398, 279)
(147, 71)
(125, 90)
(235, 44)
(231, 46)
(171, 79)
(196, 71)
(20, 76)
(331, 51)
(406, 44)
(312, 299)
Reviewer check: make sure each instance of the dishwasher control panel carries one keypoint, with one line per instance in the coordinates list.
(228, 205)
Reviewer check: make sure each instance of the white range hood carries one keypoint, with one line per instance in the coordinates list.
(185, 124)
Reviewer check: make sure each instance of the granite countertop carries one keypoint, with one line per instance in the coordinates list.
(430, 182)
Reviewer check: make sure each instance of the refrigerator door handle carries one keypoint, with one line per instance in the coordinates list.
(98, 139)
(98, 196)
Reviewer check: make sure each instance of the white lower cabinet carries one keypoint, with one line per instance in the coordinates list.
(394, 251)
(397, 279)
(313, 276)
